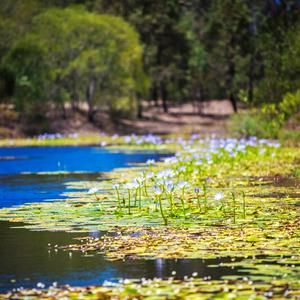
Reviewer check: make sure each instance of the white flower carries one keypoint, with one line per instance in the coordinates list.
(165, 174)
(157, 190)
(150, 162)
(150, 175)
(170, 186)
(93, 190)
(219, 196)
(182, 169)
(139, 180)
(40, 285)
(131, 185)
(182, 184)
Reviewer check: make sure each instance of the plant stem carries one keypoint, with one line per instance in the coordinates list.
(135, 196)
(198, 202)
(182, 202)
(140, 198)
(129, 204)
(161, 211)
(244, 204)
(205, 196)
(99, 202)
(118, 196)
(233, 198)
(145, 188)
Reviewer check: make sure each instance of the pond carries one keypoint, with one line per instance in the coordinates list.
(34, 174)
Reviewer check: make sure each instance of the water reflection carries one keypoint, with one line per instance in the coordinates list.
(26, 259)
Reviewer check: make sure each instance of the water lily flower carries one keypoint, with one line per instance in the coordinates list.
(40, 285)
(150, 162)
(171, 160)
(165, 173)
(219, 196)
(139, 180)
(182, 169)
(199, 163)
(150, 175)
(131, 185)
(157, 190)
(182, 184)
(170, 187)
(197, 190)
(93, 190)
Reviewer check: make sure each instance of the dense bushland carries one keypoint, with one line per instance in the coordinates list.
(113, 55)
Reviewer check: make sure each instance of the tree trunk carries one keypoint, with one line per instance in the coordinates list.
(63, 109)
(89, 98)
(140, 107)
(251, 79)
(164, 97)
(154, 95)
(231, 74)
(200, 98)
(233, 102)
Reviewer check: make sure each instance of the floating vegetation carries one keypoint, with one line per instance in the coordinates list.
(214, 198)
(205, 242)
(189, 288)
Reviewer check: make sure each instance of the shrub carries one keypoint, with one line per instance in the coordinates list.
(267, 121)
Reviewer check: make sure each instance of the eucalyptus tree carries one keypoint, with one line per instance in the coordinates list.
(227, 29)
(96, 58)
(166, 49)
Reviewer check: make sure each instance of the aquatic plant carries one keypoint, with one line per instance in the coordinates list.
(213, 198)
(158, 197)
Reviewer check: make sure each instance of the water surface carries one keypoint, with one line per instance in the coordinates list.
(27, 174)
(26, 259)
(31, 174)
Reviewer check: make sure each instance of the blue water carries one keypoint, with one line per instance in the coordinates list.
(20, 183)
(70, 159)
(25, 258)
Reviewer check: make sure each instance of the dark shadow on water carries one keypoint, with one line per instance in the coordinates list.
(26, 259)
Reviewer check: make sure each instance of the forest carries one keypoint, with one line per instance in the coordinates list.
(114, 55)
(150, 150)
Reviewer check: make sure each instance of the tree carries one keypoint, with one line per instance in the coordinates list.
(227, 29)
(165, 46)
(279, 50)
(85, 56)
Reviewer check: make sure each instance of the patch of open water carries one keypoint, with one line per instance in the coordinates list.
(25, 260)
(32, 173)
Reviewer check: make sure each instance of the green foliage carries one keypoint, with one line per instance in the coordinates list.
(26, 61)
(255, 123)
(246, 50)
(290, 104)
(280, 50)
(71, 51)
(268, 121)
